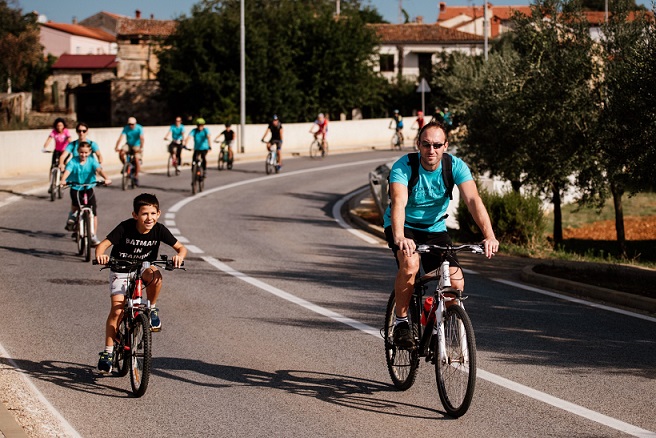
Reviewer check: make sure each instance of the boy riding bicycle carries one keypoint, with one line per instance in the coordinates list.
(228, 140)
(82, 169)
(135, 239)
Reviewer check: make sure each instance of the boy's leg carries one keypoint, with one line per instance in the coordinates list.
(153, 280)
(115, 312)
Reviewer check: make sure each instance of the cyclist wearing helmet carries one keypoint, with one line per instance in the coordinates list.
(134, 143)
(228, 139)
(201, 136)
(275, 127)
(397, 120)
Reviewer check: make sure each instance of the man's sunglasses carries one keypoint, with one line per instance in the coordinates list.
(428, 144)
(79, 131)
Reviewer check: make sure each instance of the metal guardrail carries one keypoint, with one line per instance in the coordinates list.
(378, 184)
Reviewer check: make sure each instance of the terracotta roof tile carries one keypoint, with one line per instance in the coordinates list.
(79, 30)
(85, 62)
(421, 33)
(134, 26)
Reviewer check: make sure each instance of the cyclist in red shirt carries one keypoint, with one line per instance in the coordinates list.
(322, 130)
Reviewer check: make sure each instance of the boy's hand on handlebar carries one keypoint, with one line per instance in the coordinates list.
(177, 261)
(102, 259)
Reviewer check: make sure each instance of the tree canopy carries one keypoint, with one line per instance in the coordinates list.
(300, 60)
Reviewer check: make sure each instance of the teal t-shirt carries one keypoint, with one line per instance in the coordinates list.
(177, 132)
(72, 147)
(133, 136)
(200, 139)
(82, 173)
(428, 201)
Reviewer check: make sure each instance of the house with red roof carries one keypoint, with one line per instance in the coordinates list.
(470, 19)
(75, 39)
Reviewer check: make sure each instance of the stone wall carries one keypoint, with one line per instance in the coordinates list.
(138, 99)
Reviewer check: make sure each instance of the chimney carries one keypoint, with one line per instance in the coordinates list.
(419, 19)
(152, 16)
(442, 6)
(137, 14)
(74, 20)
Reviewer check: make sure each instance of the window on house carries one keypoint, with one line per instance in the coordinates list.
(387, 63)
(134, 41)
(425, 62)
(86, 78)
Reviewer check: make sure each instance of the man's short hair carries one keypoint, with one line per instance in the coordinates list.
(433, 124)
(145, 199)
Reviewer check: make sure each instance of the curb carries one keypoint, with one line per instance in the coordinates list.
(569, 287)
(9, 427)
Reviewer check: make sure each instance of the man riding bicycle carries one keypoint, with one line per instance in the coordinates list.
(322, 130)
(397, 122)
(177, 131)
(201, 136)
(416, 215)
(134, 143)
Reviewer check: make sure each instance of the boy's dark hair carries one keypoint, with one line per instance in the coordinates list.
(83, 144)
(145, 199)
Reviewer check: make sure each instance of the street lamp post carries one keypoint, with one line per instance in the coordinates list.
(485, 26)
(242, 78)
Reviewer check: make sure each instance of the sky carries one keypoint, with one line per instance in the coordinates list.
(63, 11)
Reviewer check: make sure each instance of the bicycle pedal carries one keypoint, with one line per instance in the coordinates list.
(154, 330)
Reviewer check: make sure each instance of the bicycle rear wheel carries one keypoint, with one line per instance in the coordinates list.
(140, 349)
(79, 235)
(455, 366)
(121, 357)
(86, 238)
(402, 364)
(125, 175)
(194, 177)
(222, 160)
(315, 149)
(170, 165)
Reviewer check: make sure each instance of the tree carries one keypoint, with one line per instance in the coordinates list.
(22, 55)
(300, 60)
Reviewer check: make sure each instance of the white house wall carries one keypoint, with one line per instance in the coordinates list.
(57, 43)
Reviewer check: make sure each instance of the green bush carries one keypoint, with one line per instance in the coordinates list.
(516, 219)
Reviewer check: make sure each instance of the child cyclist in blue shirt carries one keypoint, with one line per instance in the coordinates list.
(201, 136)
(82, 170)
(137, 238)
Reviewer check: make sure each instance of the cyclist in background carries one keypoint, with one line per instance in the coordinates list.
(228, 139)
(134, 139)
(135, 239)
(275, 127)
(418, 124)
(177, 131)
(322, 130)
(61, 136)
(71, 150)
(82, 169)
(201, 136)
(417, 216)
(397, 121)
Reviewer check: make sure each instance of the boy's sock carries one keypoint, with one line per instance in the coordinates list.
(400, 319)
(109, 350)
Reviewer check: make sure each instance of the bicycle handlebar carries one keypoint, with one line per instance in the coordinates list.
(69, 184)
(132, 265)
(474, 248)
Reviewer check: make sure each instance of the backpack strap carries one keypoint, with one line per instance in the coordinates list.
(447, 174)
(413, 161)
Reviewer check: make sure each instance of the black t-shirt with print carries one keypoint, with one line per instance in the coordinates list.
(130, 244)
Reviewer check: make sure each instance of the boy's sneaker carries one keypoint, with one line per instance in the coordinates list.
(136, 182)
(155, 323)
(94, 240)
(70, 222)
(403, 335)
(105, 362)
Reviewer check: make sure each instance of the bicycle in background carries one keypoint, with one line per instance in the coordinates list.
(396, 141)
(128, 178)
(224, 157)
(84, 226)
(271, 162)
(54, 188)
(318, 148)
(197, 177)
(172, 164)
(133, 342)
(443, 334)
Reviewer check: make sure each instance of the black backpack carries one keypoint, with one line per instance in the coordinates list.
(447, 173)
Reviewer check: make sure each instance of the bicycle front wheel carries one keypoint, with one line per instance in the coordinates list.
(270, 165)
(140, 347)
(222, 160)
(402, 364)
(455, 366)
(121, 357)
(86, 238)
(170, 166)
(54, 184)
(125, 175)
(315, 149)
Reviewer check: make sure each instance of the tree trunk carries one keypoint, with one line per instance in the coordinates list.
(617, 191)
(516, 185)
(558, 216)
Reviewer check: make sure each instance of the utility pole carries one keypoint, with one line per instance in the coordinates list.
(337, 8)
(242, 78)
(485, 29)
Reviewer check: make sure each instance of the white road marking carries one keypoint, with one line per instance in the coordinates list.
(492, 378)
(194, 249)
(337, 208)
(169, 223)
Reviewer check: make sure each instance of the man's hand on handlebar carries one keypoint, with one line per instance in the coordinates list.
(491, 246)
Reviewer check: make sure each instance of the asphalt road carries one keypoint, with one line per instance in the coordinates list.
(253, 340)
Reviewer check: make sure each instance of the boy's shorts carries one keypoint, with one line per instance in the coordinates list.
(118, 282)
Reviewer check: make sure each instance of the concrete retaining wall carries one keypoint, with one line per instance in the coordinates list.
(21, 150)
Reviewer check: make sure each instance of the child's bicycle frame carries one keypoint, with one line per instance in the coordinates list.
(133, 342)
(172, 165)
(84, 221)
(271, 161)
(197, 177)
(443, 335)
